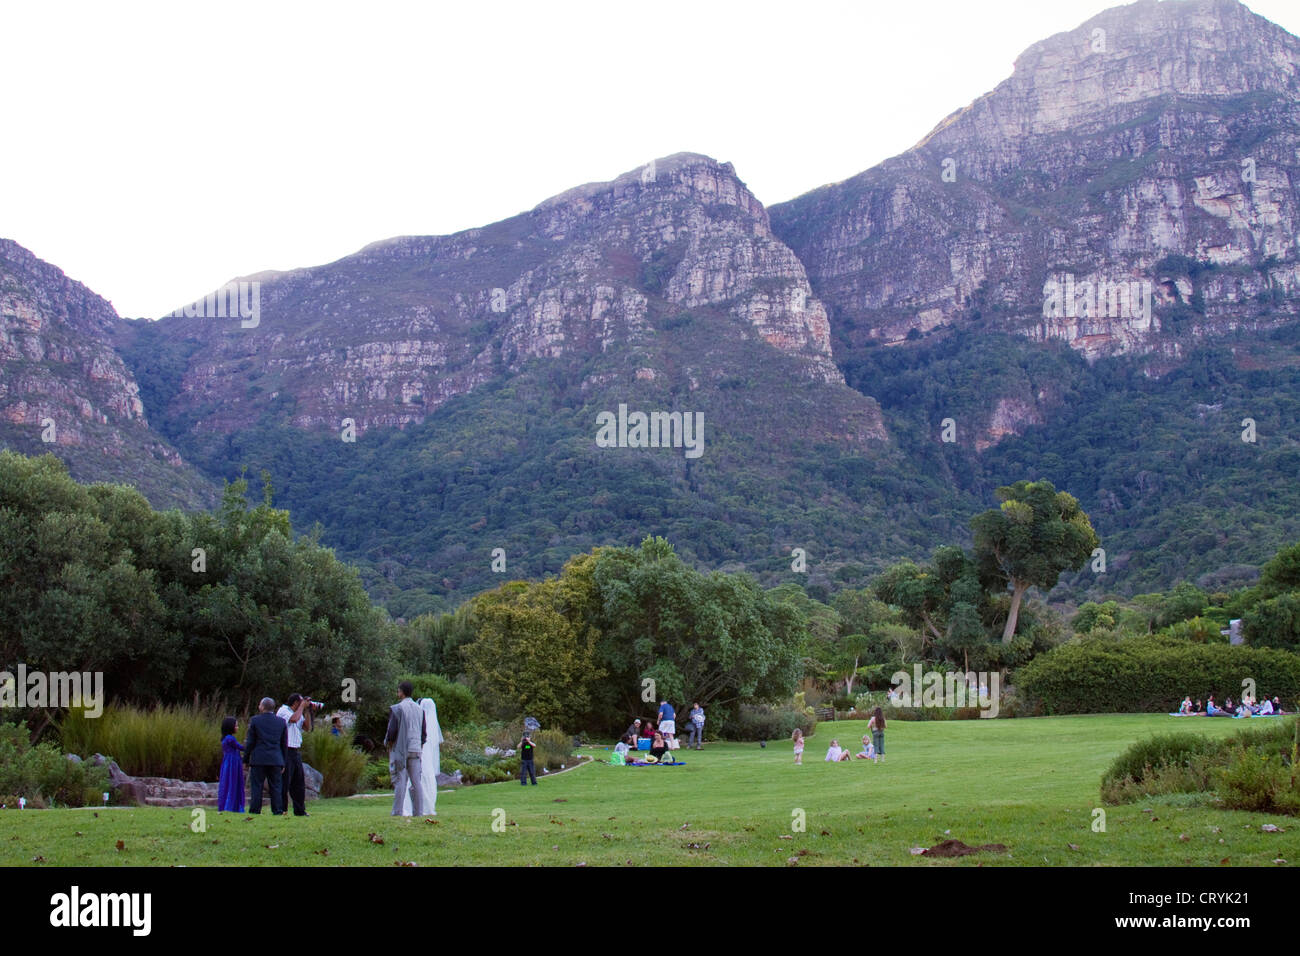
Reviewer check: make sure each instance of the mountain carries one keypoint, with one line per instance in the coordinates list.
(1150, 150)
(472, 371)
(63, 387)
(1088, 275)
(1099, 255)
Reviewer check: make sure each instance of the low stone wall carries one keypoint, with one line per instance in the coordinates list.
(167, 792)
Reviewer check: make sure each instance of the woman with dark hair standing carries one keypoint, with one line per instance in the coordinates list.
(230, 783)
(877, 727)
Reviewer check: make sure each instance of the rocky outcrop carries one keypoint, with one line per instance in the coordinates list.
(58, 362)
(168, 792)
(389, 334)
(65, 389)
(1153, 145)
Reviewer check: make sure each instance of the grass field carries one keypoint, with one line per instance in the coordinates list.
(1029, 784)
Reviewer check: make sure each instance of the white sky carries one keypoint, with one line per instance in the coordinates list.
(154, 151)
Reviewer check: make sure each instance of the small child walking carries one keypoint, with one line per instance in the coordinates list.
(230, 785)
(797, 737)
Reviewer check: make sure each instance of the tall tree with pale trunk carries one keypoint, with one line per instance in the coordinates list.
(1037, 533)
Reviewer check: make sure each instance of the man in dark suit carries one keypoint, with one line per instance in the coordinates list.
(266, 753)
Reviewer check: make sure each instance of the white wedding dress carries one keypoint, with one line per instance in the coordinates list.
(429, 758)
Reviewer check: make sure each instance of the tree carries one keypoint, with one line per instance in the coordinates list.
(1037, 533)
(529, 656)
(715, 638)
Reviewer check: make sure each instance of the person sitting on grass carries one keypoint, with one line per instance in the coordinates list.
(834, 754)
(659, 747)
(622, 748)
(1186, 707)
(868, 751)
(1199, 707)
(1266, 708)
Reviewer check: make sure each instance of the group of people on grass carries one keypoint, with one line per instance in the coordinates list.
(1246, 707)
(873, 745)
(273, 755)
(659, 736)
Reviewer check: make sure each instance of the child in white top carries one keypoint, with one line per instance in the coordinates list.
(834, 754)
(797, 737)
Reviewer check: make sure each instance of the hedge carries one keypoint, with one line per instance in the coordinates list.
(1152, 673)
(456, 703)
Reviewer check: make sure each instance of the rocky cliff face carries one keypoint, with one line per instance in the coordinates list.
(387, 335)
(64, 389)
(1131, 187)
(59, 364)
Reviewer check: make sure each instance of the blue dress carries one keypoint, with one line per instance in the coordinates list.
(230, 789)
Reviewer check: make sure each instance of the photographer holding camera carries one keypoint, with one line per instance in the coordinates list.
(292, 712)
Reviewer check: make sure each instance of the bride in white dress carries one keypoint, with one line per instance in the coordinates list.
(429, 758)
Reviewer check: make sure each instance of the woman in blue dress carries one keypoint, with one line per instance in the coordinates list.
(230, 788)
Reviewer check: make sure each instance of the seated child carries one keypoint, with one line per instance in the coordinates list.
(868, 751)
(1186, 707)
(834, 754)
(1266, 708)
(621, 751)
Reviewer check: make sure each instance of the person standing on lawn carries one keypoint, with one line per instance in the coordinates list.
(295, 779)
(667, 720)
(266, 752)
(697, 726)
(405, 739)
(877, 727)
(526, 766)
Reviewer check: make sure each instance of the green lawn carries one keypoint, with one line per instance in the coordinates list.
(1029, 784)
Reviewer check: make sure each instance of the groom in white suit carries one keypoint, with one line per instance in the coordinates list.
(405, 739)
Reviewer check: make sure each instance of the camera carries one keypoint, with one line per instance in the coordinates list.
(316, 704)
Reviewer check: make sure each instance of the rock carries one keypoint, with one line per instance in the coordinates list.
(313, 780)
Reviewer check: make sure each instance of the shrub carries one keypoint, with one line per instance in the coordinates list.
(764, 722)
(342, 765)
(1254, 769)
(376, 776)
(1255, 780)
(456, 703)
(1151, 673)
(1156, 756)
(43, 774)
(554, 749)
(182, 741)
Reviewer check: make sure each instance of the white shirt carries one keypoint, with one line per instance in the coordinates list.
(295, 729)
(833, 754)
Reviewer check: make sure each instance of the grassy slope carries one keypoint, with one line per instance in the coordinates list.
(1030, 784)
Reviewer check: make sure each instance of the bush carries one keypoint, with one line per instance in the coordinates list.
(43, 774)
(181, 741)
(1255, 780)
(456, 703)
(1158, 758)
(1253, 769)
(554, 749)
(376, 776)
(342, 765)
(764, 722)
(1151, 673)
